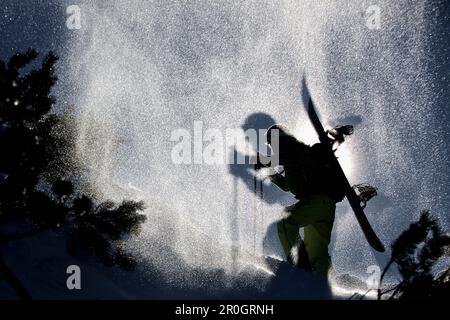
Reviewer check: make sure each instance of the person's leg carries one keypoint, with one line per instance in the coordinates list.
(302, 256)
(296, 216)
(318, 234)
(316, 246)
(287, 233)
(316, 215)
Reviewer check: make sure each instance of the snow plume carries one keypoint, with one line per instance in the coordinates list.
(143, 69)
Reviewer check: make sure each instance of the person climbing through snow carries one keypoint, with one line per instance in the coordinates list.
(308, 173)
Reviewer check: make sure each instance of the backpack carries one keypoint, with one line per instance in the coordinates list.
(312, 170)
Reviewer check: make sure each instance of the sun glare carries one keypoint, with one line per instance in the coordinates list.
(308, 135)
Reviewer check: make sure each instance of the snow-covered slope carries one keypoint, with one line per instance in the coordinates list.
(41, 262)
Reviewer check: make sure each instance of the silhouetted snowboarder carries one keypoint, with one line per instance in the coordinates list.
(308, 173)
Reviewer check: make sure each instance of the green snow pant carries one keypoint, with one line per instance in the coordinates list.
(316, 215)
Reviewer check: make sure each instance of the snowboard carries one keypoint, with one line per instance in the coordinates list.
(350, 193)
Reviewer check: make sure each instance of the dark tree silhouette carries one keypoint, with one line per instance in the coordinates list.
(37, 171)
(416, 251)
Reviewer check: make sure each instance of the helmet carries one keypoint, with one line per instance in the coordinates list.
(282, 132)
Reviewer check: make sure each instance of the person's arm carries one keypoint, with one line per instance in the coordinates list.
(280, 181)
(262, 161)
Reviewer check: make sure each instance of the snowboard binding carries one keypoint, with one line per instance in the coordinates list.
(365, 192)
(337, 134)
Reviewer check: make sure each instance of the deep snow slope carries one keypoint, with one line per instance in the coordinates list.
(41, 264)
